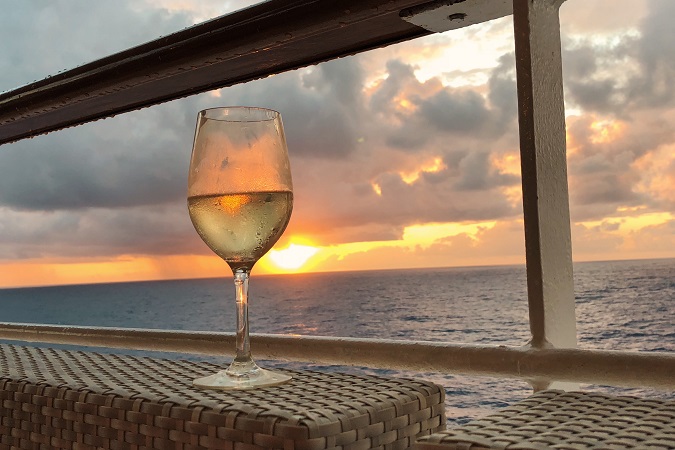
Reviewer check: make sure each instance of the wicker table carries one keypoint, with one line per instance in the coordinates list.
(80, 400)
(566, 421)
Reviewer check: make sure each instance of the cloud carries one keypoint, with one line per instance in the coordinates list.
(628, 72)
(502, 90)
(43, 38)
(319, 106)
(197, 11)
(376, 143)
(616, 164)
(591, 242)
(621, 84)
(399, 77)
(654, 52)
(459, 112)
(501, 244)
(131, 160)
(349, 203)
(155, 230)
(476, 172)
(344, 136)
(579, 17)
(656, 240)
(425, 109)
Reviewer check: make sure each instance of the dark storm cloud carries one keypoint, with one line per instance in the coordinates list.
(655, 52)
(438, 123)
(424, 202)
(580, 62)
(588, 82)
(460, 112)
(118, 186)
(343, 78)
(141, 158)
(642, 67)
(399, 75)
(320, 108)
(597, 95)
(405, 138)
(628, 80)
(476, 173)
(131, 160)
(343, 141)
(605, 188)
(605, 175)
(41, 38)
(438, 109)
(154, 230)
(502, 91)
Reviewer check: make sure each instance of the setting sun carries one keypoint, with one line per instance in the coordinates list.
(293, 256)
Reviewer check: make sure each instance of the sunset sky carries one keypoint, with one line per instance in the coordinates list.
(402, 157)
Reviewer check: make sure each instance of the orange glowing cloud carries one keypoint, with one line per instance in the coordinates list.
(122, 268)
(606, 130)
(630, 224)
(404, 104)
(509, 164)
(658, 182)
(433, 166)
(303, 257)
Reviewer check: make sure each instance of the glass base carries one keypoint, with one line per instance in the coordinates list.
(241, 376)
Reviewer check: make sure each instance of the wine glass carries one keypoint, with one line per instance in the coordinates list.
(240, 198)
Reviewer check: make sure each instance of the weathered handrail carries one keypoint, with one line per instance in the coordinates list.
(641, 369)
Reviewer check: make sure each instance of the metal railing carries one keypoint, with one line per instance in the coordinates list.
(631, 369)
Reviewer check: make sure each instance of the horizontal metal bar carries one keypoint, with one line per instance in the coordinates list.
(642, 369)
(265, 39)
(268, 38)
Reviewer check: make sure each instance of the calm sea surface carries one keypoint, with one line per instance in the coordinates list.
(627, 305)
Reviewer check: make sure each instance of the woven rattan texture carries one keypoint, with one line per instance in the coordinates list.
(566, 421)
(55, 399)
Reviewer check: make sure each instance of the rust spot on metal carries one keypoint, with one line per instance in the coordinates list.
(430, 6)
(457, 16)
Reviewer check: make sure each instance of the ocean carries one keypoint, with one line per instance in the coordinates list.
(621, 305)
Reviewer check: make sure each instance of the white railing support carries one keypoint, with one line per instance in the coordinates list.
(541, 115)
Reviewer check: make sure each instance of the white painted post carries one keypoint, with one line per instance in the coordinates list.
(541, 114)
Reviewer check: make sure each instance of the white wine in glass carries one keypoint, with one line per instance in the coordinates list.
(240, 198)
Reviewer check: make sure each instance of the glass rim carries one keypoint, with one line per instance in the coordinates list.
(264, 114)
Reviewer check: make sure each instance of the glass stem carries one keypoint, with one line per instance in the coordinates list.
(243, 343)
